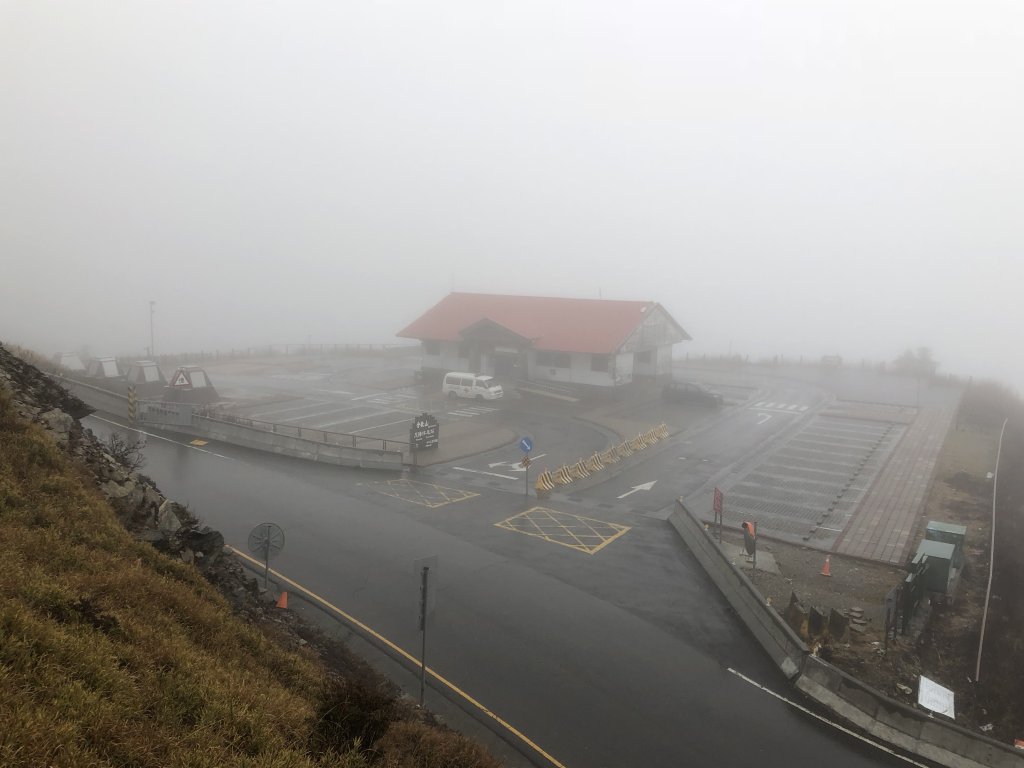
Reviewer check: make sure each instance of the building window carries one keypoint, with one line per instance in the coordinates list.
(431, 348)
(464, 350)
(599, 363)
(553, 359)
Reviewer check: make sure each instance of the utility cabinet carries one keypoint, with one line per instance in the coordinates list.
(940, 564)
(950, 533)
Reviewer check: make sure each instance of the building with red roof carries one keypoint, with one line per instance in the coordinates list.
(596, 342)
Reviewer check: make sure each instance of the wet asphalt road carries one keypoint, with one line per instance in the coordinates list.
(618, 658)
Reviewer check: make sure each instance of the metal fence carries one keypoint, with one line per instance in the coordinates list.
(343, 439)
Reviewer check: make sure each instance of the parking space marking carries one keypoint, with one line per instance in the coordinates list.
(380, 426)
(425, 494)
(580, 533)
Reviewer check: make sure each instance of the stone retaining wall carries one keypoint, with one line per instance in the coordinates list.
(887, 720)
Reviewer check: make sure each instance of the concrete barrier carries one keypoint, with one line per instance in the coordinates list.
(784, 646)
(908, 728)
(239, 434)
(900, 725)
(101, 399)
(297, 447)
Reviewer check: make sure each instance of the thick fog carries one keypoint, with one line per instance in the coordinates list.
(800, 179)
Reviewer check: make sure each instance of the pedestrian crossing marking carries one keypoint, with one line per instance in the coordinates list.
(762, 405)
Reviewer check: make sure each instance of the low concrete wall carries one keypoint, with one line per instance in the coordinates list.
(901, 725)
(300, 448)
(100, 399)
(887, 720)
(238, 434)
(782, 643)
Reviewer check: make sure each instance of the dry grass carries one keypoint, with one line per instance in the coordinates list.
(112, 654)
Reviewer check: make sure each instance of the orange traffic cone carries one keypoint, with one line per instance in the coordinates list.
(825, 570)
(282, 601)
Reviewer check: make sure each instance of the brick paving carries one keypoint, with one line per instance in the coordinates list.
(883, 524)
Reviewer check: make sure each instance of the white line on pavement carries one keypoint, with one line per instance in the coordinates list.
(481, 472)
(365, 397)
(378, 426)
(824, 719)
(160, 437)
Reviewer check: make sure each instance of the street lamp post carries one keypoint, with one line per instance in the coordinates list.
(152, 348)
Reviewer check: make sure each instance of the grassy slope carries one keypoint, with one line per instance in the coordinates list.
(113, 654)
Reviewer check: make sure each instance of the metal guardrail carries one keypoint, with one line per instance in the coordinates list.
(342, 439)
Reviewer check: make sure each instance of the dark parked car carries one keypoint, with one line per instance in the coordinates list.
(688, 392)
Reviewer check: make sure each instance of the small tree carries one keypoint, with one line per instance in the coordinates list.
(916, 363)
(127, 454)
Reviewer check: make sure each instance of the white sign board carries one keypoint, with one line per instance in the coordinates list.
(933, 696)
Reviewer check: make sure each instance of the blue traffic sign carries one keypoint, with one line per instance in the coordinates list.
(526, 444)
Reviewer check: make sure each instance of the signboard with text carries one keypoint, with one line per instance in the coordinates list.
(424, 433)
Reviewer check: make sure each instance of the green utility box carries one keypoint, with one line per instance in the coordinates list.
(950, 533)
(940, 564)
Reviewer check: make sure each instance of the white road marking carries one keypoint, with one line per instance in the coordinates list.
(378, 426)
(803, 407)
(160, 437)
(762, 418)
(792, 407)
(825, 720)
(481, 472)
(334, 391)
(307, 404)
(335, 410)
(366, 397)
(641, 487)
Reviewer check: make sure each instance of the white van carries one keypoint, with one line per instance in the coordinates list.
(471, 385)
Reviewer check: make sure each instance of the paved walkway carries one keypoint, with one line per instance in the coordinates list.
(882, 527)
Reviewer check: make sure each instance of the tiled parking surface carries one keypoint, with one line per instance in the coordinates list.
(887, 517)
(807, 490)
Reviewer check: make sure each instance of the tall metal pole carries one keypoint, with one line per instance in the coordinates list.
(266, 562)
(991, 554)
(152, 348)
(423, 629)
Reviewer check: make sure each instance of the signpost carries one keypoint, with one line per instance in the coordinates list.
(425, 570)
(750, 542)
(719, 516)
(526, 445)
(266, 540)
(424, 433)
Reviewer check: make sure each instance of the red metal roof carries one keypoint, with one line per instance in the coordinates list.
(595, 326)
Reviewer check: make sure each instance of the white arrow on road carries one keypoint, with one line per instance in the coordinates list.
(643, 487)
(515, 466)
(481, 472)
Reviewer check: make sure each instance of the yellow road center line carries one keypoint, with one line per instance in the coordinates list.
(376, 635)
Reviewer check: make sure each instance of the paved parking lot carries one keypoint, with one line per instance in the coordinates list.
(807, 489)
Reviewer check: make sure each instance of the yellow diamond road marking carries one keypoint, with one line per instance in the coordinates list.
(582, 533)
(199, 442)
(425, 494)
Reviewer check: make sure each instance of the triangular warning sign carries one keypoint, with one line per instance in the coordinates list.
(181, 380)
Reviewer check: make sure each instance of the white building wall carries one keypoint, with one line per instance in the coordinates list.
(623, 368)
(665, 359)
(660, 362)
(447, 359)
(578, 372)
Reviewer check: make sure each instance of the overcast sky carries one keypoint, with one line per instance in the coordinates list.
(794, 178)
